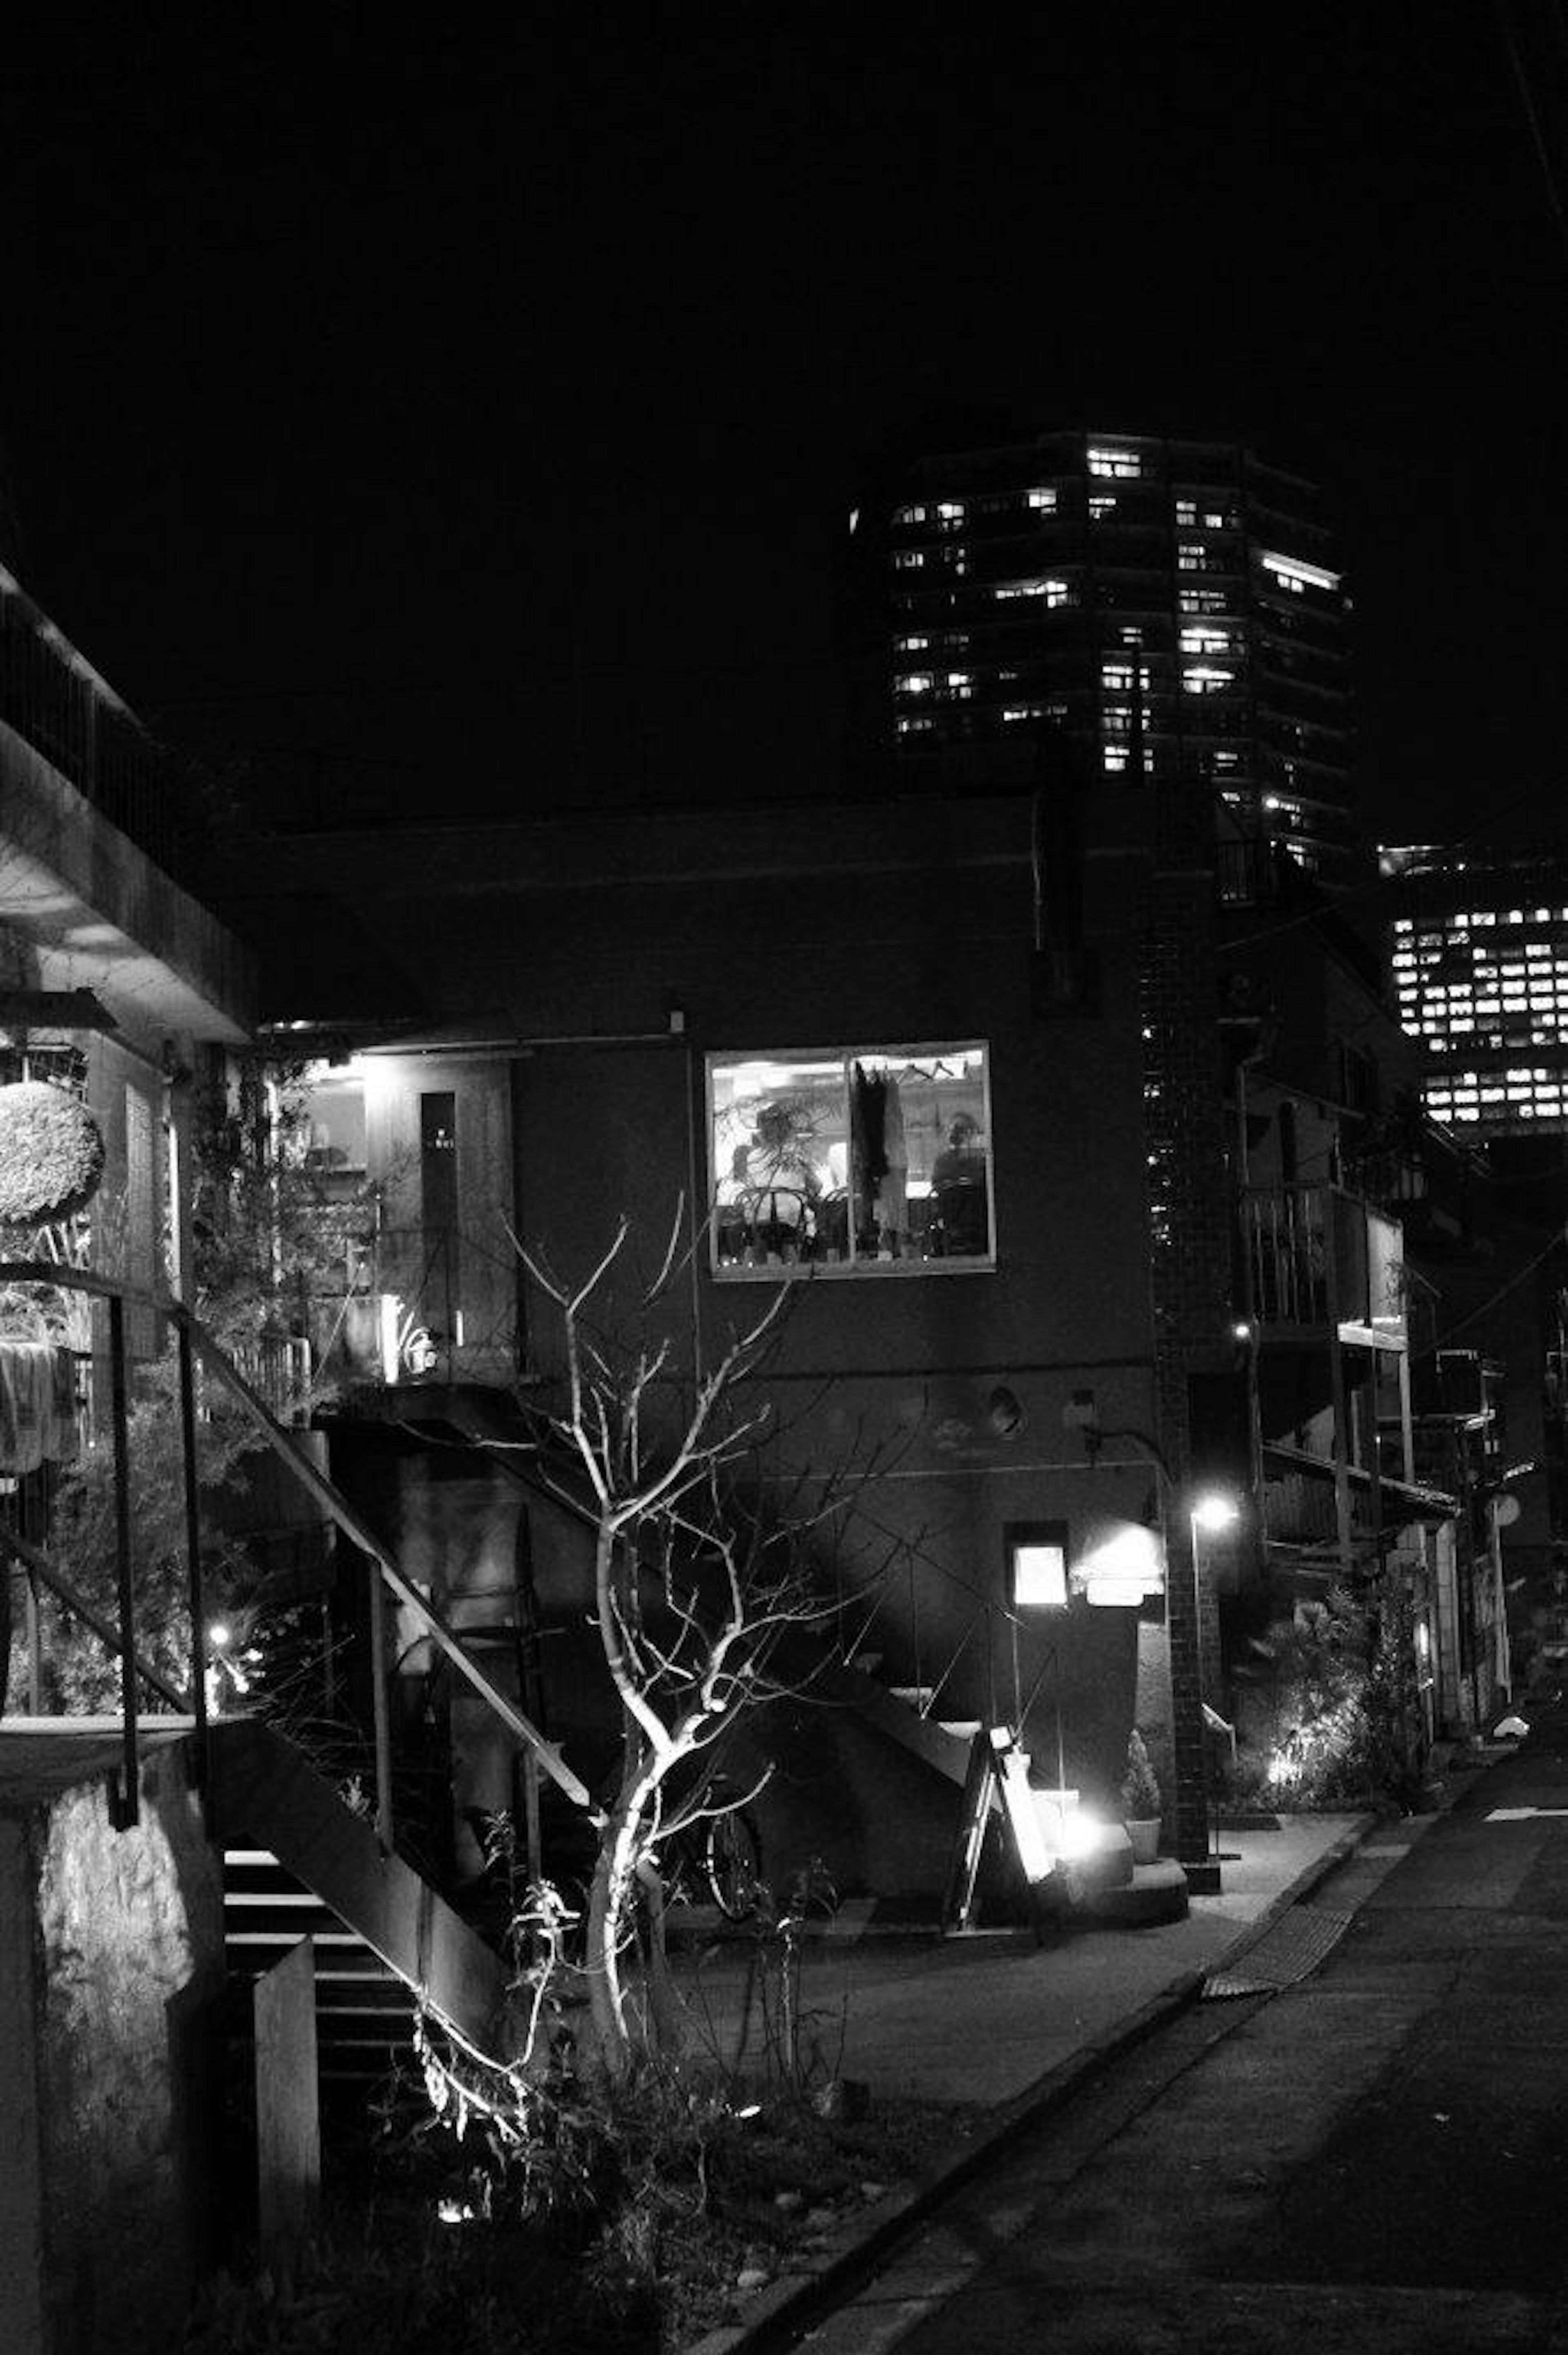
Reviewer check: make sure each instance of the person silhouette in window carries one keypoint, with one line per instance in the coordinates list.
(960, 1225)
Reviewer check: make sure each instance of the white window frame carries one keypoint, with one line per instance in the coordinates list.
(851, 1270)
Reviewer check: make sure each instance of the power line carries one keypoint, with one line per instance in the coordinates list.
(1533, 117)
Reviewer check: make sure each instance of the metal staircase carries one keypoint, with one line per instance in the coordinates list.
(365, 2011)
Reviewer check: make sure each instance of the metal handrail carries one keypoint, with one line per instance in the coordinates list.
(194, 1341)
(37, 1565)
(362, 1535)
(117, 1294)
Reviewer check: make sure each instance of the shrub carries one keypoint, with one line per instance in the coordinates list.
(1139, 1785)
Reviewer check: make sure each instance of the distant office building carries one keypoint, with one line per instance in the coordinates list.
(1480, 969)
(1173, 606)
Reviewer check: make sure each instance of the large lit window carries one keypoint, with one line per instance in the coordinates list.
(1043, 501)
(1125, 464)
(1292, 574)
(859, 1160)
(1054, 592)
(328, 1135)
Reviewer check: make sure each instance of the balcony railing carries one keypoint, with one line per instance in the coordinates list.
(58, 703)
(417, 1305)
(1317, 1256)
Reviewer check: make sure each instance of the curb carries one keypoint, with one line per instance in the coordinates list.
(1310, 1877)
(793, 2301)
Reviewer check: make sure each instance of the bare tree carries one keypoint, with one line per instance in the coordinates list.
(700, 1567)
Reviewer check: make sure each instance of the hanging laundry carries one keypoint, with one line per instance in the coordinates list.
(892, 1191)
(31, 1423)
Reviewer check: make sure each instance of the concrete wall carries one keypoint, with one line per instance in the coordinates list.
(905, 925)
(110, 1975)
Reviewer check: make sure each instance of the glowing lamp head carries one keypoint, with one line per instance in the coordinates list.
(1214, 1512)
(219, 1635)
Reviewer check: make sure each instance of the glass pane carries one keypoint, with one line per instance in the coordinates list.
(870, 1158)
(922, 1161)
(780, 1161)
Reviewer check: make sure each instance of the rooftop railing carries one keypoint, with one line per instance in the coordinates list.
(58, 705)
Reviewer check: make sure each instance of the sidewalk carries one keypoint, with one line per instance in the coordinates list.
(982, 2018)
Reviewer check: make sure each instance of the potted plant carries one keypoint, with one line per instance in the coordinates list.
(1140, 1801)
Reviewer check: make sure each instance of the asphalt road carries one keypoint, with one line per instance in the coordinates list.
(1375, 2156)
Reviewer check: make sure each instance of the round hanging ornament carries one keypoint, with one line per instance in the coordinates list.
(51, 1154)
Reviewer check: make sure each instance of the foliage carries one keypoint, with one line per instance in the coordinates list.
(402, 2282)
(257, 1227)
(1139, 1785)
(79, 1673)
(51, 1153)
(1334, 1710)
(267, 1238)
(705, 2191)
(780, 2043)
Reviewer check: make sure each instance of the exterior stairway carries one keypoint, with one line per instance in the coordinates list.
(298, 1863)
(364, 2012)
(903, 1713)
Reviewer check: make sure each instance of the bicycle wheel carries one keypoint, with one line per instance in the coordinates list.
(731, 1863)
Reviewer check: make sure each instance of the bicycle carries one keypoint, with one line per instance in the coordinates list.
(718, 1852)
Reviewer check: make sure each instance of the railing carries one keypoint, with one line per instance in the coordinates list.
(196, 1347)
(1298, 1509)
(1285, 1233)
(120, 1637)
(416, 1303)
(278, 1367)
(931, 1666)
(1317, 1255)
(50, 697)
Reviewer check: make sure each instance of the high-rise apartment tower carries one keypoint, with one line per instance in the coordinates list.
(1172, 606)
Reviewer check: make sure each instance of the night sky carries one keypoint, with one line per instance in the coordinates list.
(468, 413)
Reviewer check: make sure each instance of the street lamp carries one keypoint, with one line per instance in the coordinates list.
(1207, 1510)
(1211, 1511)
(1214, 1511)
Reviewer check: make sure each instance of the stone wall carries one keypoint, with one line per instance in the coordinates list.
(111, 1979)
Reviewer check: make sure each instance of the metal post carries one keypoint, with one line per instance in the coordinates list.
(1211, 1828)
(380, 1711)
(914, 1635)
(33, 1622)
(1017, 1682)
(126, 1811)
(193, 1561)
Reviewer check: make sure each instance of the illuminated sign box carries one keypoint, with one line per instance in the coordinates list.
(1036, 1564)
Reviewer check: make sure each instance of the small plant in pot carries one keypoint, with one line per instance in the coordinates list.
(1140, 1801)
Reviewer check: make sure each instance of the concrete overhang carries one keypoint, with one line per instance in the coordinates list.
(98, 914)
